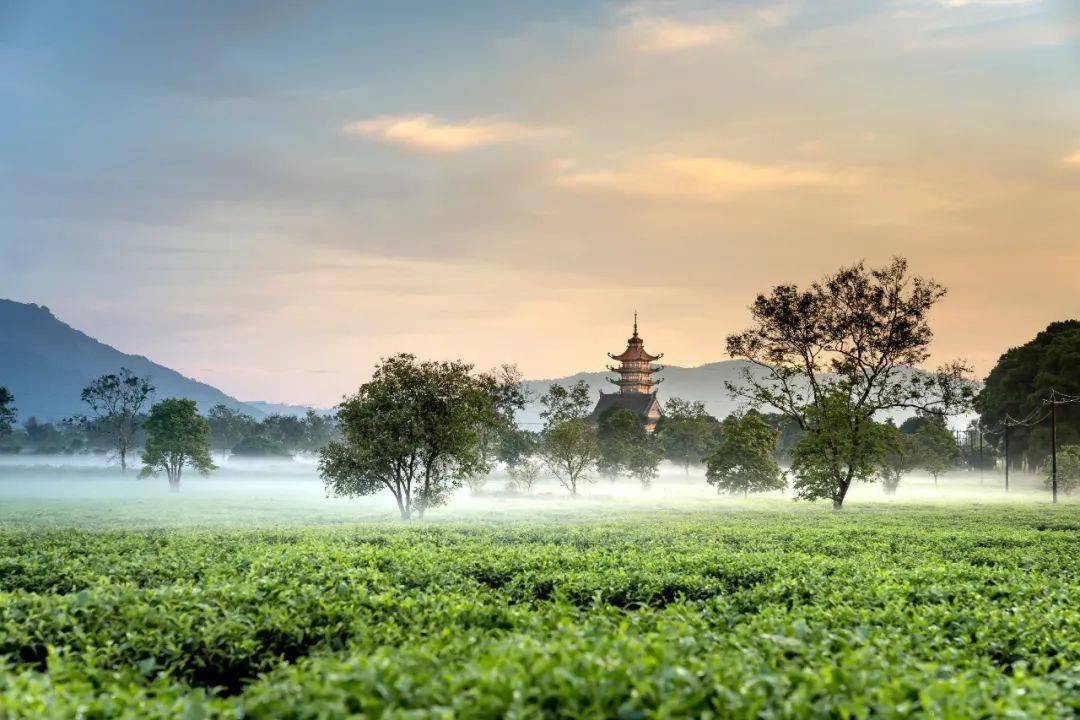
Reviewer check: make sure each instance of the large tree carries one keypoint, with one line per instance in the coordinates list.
(1022, 379)
(7, 411)
(415, 429)
(116, 399)
(687, 432)
(1068, 469)
(176, 437)
(743, 461)
(568, 443)
(837, 353)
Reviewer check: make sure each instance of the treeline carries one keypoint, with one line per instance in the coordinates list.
(832, 358)
(118, 407)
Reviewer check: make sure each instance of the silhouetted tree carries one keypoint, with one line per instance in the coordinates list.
(7, 411)
(116, 399)
(835, 354)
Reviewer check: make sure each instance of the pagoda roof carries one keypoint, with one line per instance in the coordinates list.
(639, 403)
(635, 350)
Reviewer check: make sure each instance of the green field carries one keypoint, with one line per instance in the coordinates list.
(903, 610)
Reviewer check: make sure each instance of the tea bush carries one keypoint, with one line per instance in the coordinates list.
(891, 612)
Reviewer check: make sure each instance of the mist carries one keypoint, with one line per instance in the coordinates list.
(88, 491)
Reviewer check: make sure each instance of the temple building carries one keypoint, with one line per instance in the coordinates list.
(635, 383)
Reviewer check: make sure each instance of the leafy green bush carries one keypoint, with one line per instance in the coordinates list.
(877, 613)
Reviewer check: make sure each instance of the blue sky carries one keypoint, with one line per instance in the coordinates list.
(271, 195)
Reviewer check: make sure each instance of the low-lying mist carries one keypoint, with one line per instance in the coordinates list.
(84, 490)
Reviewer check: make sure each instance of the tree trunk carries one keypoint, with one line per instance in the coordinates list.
(123, 460)
(837, 503)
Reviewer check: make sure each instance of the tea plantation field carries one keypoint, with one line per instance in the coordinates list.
(951, 611)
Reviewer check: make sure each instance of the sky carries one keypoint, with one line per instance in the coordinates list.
(271, 195)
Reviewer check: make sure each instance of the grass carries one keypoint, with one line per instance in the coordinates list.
(596, 609)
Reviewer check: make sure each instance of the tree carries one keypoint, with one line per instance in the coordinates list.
(318, 431)
(686, 432)
(500, 439)
(743, 460)
(414, 429)
(835, 354)
(619, 432)
(568, 442)
(229, 426)
(898, 457)
(1025, 376)
(643, 462)
(935, 447)
(116, 400)
(176, 438)
(7, 411)
(1068, 469)
(565, 403)
(524, 475)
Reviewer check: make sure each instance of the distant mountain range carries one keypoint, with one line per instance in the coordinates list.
(46, 363)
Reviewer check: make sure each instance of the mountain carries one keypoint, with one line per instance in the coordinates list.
(704, 383)
(270, 408)
(46, 363)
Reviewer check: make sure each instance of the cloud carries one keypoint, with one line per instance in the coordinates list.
(1072, 160)
(426, 133)
(706, 178)
(973, 3)
(662, 35)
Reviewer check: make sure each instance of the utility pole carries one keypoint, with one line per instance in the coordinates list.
(1053, 449)
(980, 454)
(1006, 454)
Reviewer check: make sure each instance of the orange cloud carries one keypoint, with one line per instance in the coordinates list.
(706, 178)
(660, 35)
(1072, 160)
(426, 133)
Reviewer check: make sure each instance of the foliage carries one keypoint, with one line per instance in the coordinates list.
(258, 446)
(919, 613)
(840, 446)
(524, 475)
(416, 429)
(565, 403)
(833, 356)
(935, 447)
(899, 456)
(569, 450)
(1025, 376)
(1068, 469)
(686, 432)
(743, 461)
(7, 411)
(500, 439)
(176, 438)
(620, 432)
(116, 399)
(229, 426)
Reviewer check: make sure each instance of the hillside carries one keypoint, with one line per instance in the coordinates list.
(46, 364)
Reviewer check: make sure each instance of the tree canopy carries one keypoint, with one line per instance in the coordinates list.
(686, 432)
(7, 411)
(416, 429)
(116, 399)
(836, 353)
(1025, 376)
(742, 460)
(176, 437)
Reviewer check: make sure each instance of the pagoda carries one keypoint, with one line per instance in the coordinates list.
(635, 382)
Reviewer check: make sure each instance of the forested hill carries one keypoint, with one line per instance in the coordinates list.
(46, 363)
